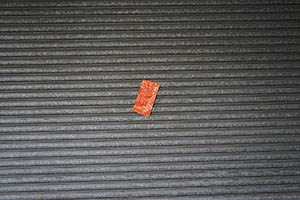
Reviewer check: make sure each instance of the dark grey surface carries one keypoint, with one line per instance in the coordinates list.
(226, 122)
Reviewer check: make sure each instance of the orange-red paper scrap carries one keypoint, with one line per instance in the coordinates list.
(146, 97)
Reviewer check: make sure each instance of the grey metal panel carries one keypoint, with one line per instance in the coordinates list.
(225, 125)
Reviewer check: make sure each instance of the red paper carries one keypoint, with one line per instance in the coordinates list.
(146, 97)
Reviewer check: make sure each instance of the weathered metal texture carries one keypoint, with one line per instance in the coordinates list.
(226, 124)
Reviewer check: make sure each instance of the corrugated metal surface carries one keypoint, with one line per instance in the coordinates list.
(226, 122)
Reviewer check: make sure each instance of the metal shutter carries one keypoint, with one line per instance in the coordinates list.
(225, 125)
